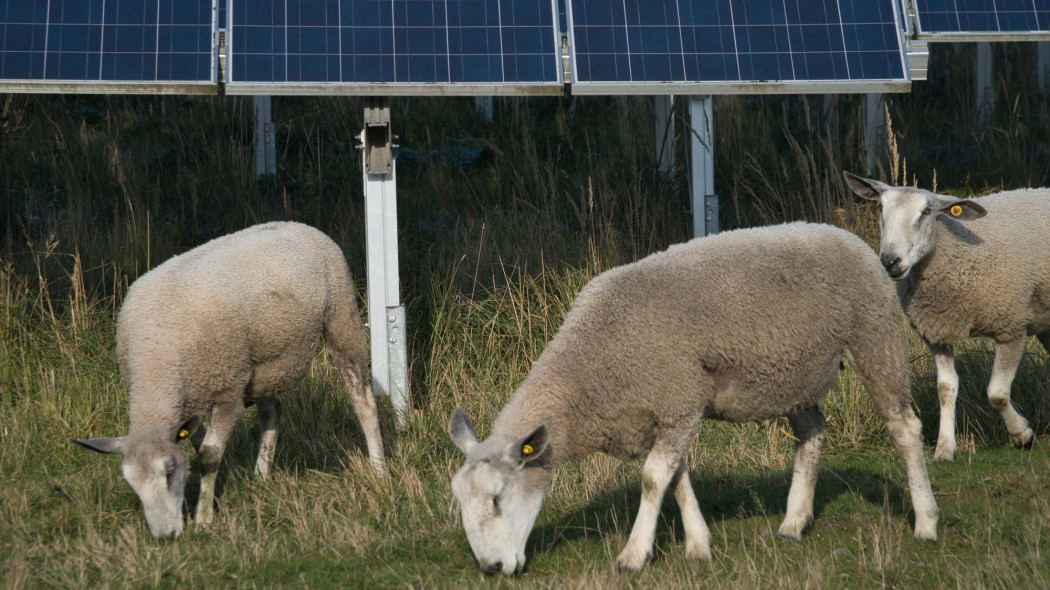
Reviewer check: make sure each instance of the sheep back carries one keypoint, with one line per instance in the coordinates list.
(744, 325)
(232, 320)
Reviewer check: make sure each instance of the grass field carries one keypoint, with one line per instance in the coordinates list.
(500, 224)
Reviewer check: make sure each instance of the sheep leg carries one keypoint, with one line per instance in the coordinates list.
(269, 419)
(658, 470)
(1007, 358)
(808, 426)
(346, 341)
(947, 392)
(364, 403)
(906, 433)
(697, 535)
(223, 419)
(887, 382)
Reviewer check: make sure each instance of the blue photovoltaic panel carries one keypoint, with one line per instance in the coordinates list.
(736, 46)
(985, 19)
(105, 42)
(404, 45)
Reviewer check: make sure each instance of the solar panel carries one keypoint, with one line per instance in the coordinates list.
(983, 20)
(396, 46)
(736, 46)
(107, 46)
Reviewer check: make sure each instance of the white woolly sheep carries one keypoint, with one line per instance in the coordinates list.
(969, 267)
(741, 326)
(221, 327)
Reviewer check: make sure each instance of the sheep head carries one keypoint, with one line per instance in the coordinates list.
(906, 220)
(156, 467)
(500, 489)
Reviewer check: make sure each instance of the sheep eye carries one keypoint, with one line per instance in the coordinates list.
(495, 505)
(926, 211)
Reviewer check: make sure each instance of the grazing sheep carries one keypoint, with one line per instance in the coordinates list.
(216, 329)
(741, 326)
(969, 267)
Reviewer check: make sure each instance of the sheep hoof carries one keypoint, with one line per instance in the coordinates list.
(698, 552)
(631, 561)
(793, 531)
(1024, 441)
(924, 534)
(943, 455)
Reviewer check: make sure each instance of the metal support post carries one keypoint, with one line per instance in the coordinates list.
(265, 149)
(874, 129)
(386, 314)
(1043, 63)
(484, 106)
(984, 96)
(663, 133)
(702, 166)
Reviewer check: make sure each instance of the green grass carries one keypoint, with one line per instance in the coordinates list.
(500, 225)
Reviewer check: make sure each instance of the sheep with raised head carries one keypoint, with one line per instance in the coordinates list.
(216, 329)
(969, 267)
(745, 325)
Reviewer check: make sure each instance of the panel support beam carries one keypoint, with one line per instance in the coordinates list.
(265, 147)
(386, 313)
(702, 166)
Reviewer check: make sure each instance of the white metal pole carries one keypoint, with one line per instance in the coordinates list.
(386, 314)
(702, 166)
(265, 149)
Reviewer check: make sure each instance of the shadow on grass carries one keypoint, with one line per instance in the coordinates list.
(314, 435)
(721, 499)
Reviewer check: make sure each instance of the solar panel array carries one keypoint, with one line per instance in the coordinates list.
(47, 44)
(411, 45)
(486, 46)
(993, 20)
(721, 45)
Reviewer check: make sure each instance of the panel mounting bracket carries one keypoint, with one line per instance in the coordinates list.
(376, 137)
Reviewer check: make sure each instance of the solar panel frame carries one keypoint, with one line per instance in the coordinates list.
(982, 20)
(728, 36)
(391, 47)
(98, 47)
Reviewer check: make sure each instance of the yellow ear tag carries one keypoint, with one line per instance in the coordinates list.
(183, 433)
(956, 210)
(526, 450)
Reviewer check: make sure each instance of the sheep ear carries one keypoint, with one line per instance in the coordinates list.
(865, 188)
(530, 450)
(106, 445)
(962, 209)
(462, 431)
(185, 430)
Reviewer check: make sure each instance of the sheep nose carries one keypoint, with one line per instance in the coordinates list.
(889, 261)
(493, 568)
